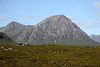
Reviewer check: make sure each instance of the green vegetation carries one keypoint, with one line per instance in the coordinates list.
(7, 42)
(4, 39)
(49, 56)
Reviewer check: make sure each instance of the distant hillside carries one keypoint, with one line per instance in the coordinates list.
(95, 37)
(4, 39)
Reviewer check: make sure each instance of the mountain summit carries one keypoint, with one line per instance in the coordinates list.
(56, 29)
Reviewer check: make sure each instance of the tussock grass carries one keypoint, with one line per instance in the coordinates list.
(49, 56)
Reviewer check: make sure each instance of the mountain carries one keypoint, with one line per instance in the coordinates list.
(95, 37)
(17, 31)
(4, 39)
(56, 29)
(59, 30)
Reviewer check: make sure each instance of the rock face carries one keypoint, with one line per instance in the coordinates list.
(95, 37)
(54, 30)
(4, 39)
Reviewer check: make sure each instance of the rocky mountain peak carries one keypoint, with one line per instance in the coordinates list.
(14, 24)
(57, 19)
(56, 29)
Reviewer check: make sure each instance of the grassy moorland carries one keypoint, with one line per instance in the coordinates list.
(49, 56)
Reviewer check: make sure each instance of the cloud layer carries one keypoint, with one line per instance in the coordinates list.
(97, 4)
(91, 24)
(1, 18)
